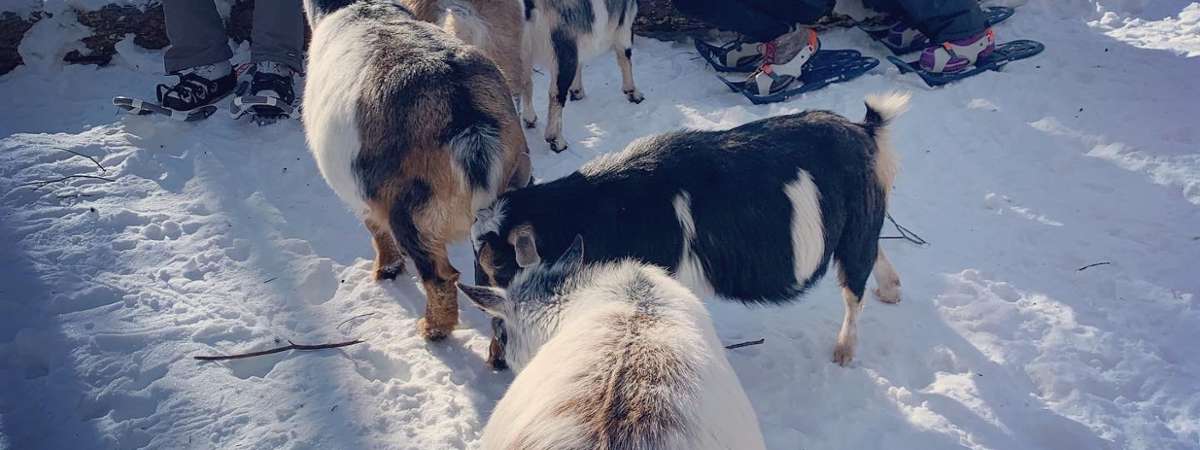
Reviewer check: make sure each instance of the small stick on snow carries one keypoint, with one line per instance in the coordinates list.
(1089, 266)
(339, 327)
(44, 183)
(744, 344)
(292, 346)
(97, 163)
(905, 234)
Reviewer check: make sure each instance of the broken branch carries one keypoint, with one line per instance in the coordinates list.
(1089, 266)
(44, 183)
(744, 344)
(291, 346)
(97, 163)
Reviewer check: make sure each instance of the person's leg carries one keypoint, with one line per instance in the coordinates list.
(736, 16)
(957, 29)
(785, 57)
(196, 33)
(278, 33)
(275, 49)
(888, 7)
(792, 12)
(943, 21)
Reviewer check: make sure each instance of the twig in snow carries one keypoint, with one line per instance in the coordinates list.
(339, 327)
(1089, 266)
(97, 163)
(744, 344)
(291, 346)
(44, 183)
(270, 280)
(905, 233)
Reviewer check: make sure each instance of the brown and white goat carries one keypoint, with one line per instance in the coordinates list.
(494, 26)
(415, 131)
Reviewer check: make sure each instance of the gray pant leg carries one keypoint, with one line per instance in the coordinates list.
(277, 34)
(940, 20)
(197, 35)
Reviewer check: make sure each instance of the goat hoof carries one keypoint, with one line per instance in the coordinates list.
(430, 332)
(843, 354)
(577, 95)
(634, 96)
(498, 364)
(530, 123)
(890, 296)
(556, 145)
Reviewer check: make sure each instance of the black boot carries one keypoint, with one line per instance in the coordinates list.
(268, 96)
(196, 89)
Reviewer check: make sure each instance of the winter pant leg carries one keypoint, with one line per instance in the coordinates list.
(806, 12)
(278, 33)
(945, 20)
(885, 6)
(197, 35)
(736, 16)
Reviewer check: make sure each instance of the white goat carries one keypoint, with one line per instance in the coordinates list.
(612, 356)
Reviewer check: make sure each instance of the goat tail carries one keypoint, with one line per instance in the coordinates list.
(478, 157)
(466, 25)
(881, 110)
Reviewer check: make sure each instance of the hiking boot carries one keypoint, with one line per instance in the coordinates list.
(783, 60)
(953, 56)
(198, 86)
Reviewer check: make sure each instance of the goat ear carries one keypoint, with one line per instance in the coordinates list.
(488, 299)
(572, 259)
(485, 266)
(526, 248)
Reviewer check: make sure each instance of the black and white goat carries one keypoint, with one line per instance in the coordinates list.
(412, 129)
(754, 213)
(561, 35)
(612, 355)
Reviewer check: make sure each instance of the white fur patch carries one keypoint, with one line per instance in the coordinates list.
(638, 151)
(887, 163)
(808, 230)
(464, 147)
(889, 105)
(557, 348)
(487, 220)
(465, 24)
(336, 68)
(690, 272)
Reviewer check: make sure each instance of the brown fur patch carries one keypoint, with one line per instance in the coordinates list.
(501, 41)
(389, 259)
(630, 400)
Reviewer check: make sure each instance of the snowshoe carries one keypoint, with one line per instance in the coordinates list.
(142, 107)
(734, 56)
(900, 38)
(824, 68)
(1002, 55)
(191, 98)
(267, 95)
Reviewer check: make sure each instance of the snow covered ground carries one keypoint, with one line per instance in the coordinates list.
(221, 237)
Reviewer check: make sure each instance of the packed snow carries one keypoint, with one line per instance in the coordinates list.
(1055, 306)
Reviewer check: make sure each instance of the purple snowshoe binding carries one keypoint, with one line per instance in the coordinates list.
(955, 56)
(901, 36)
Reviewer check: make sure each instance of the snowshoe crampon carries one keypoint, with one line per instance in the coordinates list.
(992, 15)
(1002, 55)
(246, 105)
(142, 107)
(825, 67)
(716, 56)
